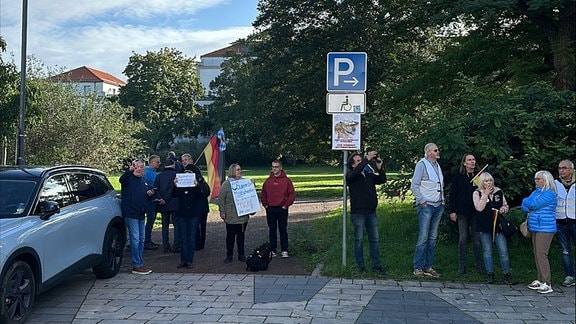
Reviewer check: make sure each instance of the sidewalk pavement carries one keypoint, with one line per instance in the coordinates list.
(261, 298)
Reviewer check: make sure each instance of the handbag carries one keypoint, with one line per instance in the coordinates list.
(506, 227)
(524, 229)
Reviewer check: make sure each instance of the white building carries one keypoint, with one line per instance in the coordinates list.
(210, 67)
(87, 80)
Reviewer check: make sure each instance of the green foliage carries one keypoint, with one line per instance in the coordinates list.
(163, 88)
(79, 130)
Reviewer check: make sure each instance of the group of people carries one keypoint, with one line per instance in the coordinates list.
(145, 193)
(276, 196)
(550, 209)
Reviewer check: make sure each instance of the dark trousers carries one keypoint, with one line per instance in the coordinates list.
(187, 228)
(201, 232)
(277, 218)
(166, 218)
(150, 219)
(466, 223)
(235, 232)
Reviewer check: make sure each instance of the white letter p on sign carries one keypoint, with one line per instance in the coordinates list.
(337, 72)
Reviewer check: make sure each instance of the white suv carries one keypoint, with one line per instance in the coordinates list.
(54, 222)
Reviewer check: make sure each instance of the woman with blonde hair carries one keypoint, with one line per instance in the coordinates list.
(489, 201)
(541, 208)
(235, 224)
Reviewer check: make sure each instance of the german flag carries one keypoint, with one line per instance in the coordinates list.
(215, 162)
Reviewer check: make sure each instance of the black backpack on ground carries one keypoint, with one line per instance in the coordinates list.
(259, 259)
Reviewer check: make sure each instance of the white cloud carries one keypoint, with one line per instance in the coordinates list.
(103, 34)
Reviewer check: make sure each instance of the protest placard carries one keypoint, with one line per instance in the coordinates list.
(245, 197)
(185, 179)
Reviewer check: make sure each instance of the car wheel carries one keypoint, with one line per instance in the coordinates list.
(112, 253)
(17, 293)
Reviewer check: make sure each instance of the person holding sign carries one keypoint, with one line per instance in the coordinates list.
(193, 202)
(235, 224)
(277, 195)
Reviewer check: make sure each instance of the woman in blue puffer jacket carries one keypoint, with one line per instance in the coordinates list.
(541, 207)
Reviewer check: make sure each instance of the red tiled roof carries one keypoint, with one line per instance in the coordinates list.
(223, 52)
(87, 74)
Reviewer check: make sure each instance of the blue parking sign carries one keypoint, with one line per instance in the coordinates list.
(346, 71)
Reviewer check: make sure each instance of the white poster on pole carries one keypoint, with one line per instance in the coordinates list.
(245, 197)
(346, 131)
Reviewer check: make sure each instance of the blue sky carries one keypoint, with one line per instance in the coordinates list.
(66, 34)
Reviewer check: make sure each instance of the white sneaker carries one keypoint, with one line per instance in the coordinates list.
(545, 288)
(535, 285)
(284, 254)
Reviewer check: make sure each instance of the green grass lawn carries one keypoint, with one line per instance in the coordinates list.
(320, 240)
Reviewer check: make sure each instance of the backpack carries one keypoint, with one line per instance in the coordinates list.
(259, 259)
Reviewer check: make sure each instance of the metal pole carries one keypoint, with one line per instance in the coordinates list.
(21, 133)
(344, 208)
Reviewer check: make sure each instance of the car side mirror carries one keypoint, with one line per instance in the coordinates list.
(48, 208)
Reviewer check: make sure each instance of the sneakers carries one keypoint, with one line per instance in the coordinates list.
(535, 285)
(568, 281)
(141, 271)
(419, 273)
(273, 253)
(545, 288)
(284, 254)
(430, 272)
(508, 279)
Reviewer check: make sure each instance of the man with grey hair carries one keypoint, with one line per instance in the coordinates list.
(428, 189)
(565, 217)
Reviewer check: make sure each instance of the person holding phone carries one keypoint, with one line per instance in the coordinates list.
(361, 179)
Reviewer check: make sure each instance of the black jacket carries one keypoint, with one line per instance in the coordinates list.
(193, 201)
(362, 188)
(461, 191)
(165, 184)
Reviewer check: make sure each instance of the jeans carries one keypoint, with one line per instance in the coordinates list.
(567, 238)
(466, 222)
(428, 220)
(186, 227)
(370, 222)
(501, 245)
(150, 219)
(235, 232)
(166, 216)
(136, 236)
(277, 218)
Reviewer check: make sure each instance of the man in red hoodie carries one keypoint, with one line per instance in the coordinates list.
(276, 196)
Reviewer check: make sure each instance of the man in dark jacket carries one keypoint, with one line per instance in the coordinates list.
(135, 199)
(168, 205)
(362, 179)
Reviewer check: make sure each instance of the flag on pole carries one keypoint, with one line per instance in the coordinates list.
(476, 178)
(494, 223)
(215, 162)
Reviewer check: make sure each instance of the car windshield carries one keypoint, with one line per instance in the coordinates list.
(15, 196)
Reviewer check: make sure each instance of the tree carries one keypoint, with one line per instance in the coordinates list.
(77, 129)
(163, 88)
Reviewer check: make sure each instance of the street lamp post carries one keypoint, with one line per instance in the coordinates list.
(21, 133)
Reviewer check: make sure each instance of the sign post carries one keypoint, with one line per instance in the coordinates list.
(346, 101)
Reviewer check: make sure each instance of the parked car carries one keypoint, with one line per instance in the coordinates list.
(54, 222)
